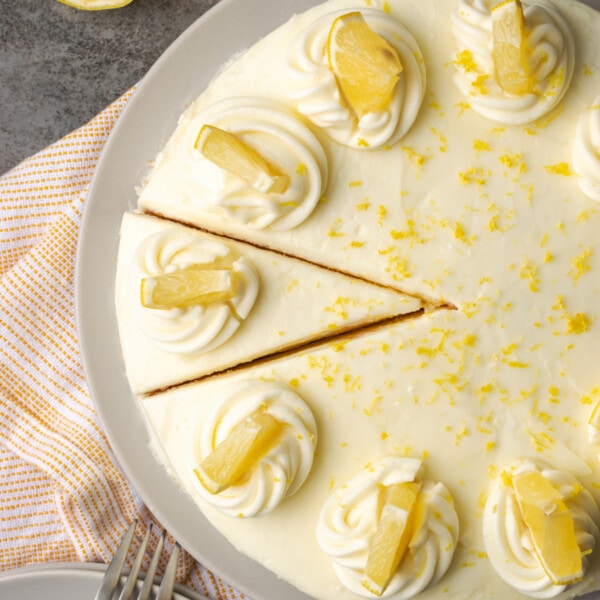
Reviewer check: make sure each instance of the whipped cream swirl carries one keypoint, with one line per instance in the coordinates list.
(196, 329)
(315, 91)
(508, 543)
(586, 151)
(280, 137)
(282, 470)
(552, 61)
(349, 519)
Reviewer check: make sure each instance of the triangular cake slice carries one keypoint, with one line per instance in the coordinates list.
(277, 303)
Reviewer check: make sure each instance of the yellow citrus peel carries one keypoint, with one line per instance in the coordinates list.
(366, 67)
(231, 153)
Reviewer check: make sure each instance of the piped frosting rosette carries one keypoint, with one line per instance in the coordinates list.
(195, 329)
(586, 151)
(281, 471)
(279, 136)
(508, 543)
(551, 60)
(349, 517)
(316, 94)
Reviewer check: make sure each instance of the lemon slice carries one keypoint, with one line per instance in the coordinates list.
(365, 66)
(187, 287)
(95, 4)
(230, 152)
(551, 526)
(247, 442)
(509, 48)
(394, 531)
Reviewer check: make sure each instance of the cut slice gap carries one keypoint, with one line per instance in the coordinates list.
(193, 286)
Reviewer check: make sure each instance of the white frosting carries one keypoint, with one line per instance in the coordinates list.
(552, 61)
(278, 135)
(282, 470)
(349, 517)
(197, 328)
(586, 151)
(317, 96)
(508, 542)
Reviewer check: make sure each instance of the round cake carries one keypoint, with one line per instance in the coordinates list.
(359, 300)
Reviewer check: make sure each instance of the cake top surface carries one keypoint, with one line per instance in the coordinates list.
(472, 201)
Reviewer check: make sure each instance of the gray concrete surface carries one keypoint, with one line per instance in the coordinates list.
(60, 66)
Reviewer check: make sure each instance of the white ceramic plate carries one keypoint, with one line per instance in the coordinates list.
(176, 79)
(63, 581)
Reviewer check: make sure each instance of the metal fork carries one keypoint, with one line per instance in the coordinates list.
(112, 577)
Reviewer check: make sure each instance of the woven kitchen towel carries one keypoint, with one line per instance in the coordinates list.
(62, 495)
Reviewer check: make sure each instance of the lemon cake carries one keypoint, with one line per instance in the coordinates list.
(410, 392)
(444, 156)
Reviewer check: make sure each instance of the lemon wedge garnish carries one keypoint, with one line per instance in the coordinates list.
(365, 66)
(509, 48)
(228, 151)
(187, 287)
(394, 531)
(95, 4)
(551, 526)
(247, 442)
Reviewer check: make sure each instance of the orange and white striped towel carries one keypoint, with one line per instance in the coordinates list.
(62, 496)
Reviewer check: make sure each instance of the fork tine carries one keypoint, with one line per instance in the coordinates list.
(113, 573)
(131, 580)
(165, 591)
(149, 578)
